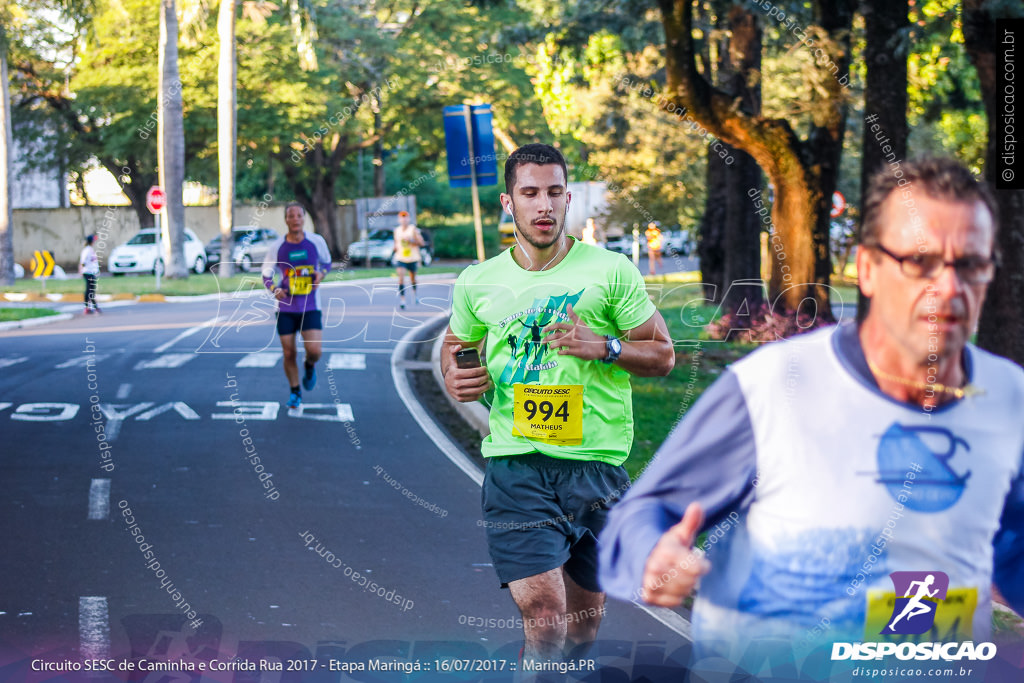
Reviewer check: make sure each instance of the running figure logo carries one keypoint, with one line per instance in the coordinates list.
(527, 347)
(917, 598)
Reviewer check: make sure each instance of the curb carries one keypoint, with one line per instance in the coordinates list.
(399, 376)
(33, 322)
(475, 414)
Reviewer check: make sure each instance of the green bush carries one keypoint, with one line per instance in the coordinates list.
(455, 237)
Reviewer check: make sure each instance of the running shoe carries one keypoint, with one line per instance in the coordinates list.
(88, 311)
(295, 400)
(309, 379)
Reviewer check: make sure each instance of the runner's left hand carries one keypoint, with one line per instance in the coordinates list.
(575, 338)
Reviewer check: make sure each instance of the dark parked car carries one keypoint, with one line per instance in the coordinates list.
(248, 249)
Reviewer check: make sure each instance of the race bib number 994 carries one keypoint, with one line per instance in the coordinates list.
(549, 413)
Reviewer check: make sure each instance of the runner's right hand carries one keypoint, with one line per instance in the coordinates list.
(674, 566)
(465, 384)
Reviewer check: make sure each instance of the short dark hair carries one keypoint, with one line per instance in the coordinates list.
(937, 177)
(291, 204)
(534, 153)
(89, 239)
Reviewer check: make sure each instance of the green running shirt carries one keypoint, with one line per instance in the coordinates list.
(511, 306)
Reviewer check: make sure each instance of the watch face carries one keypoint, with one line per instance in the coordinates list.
(616, 346)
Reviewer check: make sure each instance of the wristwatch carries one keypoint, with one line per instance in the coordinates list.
(614, 347)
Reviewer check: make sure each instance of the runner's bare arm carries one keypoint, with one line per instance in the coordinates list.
(463, 384)
(647, 349)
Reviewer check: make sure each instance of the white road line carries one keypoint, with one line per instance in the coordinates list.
(168, 360)
(93, 628)
(670, 619)
(332, 412)
(123, 391)
(8, 362)
(346, 361)
(260, 359)
(440, 439)
(81, 361)
(666, 617)
(99, 499)
(342, 349)
(187, 333)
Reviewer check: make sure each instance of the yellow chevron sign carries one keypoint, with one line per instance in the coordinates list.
(42, 264)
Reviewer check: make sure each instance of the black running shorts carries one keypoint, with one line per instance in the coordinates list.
(541, 513)
(290, 323)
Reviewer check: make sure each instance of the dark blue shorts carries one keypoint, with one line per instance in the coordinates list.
(411, 266)
(542, 513)
(290, 323)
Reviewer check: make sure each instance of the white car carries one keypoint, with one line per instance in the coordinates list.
(141, 254)
(381, 245)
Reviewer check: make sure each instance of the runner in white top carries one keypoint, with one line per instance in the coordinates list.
(89, 268)
(408, 240)
(822, 464)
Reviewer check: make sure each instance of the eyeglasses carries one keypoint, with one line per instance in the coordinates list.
(972, 270)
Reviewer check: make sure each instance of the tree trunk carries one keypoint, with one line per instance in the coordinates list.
(742, 236)
(6, 150)
(885, 94)
(318, 198)
(803, 174)
(171, 142)
(136, 189)
(740, 75)
(1001, 329)
(711, 246)
(379, 189)
(885, 88)
(226, 130)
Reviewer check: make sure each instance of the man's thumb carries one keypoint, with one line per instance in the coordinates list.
(686, 530)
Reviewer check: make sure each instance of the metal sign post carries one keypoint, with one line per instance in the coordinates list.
(477, 223)
(470, 144)
(156, 200)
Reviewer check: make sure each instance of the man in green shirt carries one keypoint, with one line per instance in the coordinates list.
(559, 326)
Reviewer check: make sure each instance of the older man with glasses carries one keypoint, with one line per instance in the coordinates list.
(831, 469)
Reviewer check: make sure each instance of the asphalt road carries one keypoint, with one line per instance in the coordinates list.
(162, 505)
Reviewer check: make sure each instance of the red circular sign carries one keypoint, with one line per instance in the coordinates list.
(838, 204)
(156, 199)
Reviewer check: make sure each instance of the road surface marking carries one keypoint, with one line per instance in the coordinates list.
(336, 412)
(168, 360)
(123, 391)
(93, 628)
(43, 412)
(8, 362)
(187, 333)
(99, 499)
(248, 410)
(346, 361)
(181, 408)
(115, 418)
(260, 359)
(80, 361)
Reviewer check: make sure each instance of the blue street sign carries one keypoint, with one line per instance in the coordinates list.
(464, 152)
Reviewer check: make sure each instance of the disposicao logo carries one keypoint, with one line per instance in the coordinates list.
(917, 598)
(918, 595)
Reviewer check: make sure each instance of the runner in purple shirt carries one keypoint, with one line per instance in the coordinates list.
(298, 262)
